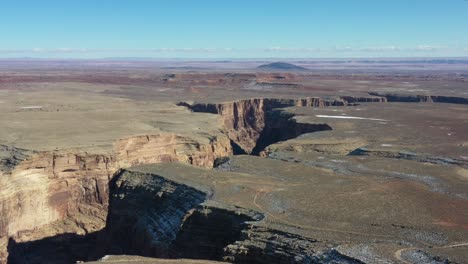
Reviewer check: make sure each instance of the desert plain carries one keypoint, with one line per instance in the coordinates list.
(130, 161)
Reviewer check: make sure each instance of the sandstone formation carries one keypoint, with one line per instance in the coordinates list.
(50, 186)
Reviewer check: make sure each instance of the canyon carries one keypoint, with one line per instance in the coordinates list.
(207, 167)
(74, 185)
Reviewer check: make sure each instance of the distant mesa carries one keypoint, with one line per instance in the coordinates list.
(281, 66)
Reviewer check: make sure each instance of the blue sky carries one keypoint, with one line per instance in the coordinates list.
(233, 29)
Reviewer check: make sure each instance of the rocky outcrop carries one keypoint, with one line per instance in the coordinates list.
(408, 155)
(10, 157)
(266, 245)
(170, 148)
(209, 228)
(405, 98)
(51, 186)
(146, 212)
(329, 145)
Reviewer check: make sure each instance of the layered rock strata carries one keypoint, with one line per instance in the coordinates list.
(405, 98)
(44, 187)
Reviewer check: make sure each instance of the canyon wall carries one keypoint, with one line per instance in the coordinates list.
(282, 126)
(51, 186)
(405, 98)
(171, 148)
(48, 187)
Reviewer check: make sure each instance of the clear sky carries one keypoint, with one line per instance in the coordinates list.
(233, 28)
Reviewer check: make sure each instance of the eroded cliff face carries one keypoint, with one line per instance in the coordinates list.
(47, 187)
(170, 148)
(146, 212)
(52, 186)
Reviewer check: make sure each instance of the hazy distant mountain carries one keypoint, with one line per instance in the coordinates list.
(281, 66)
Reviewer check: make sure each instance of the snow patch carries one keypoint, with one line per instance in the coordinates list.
(32, 107)
(350, 117)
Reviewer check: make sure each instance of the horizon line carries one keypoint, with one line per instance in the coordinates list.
(238, 58)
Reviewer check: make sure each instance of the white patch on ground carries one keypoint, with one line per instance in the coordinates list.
(415, 90)
(350, 117)
(32, 107)
(386, 145)
(338, 161)
(464, 157)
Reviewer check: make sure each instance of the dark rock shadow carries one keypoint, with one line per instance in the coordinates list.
(281, 126)
(60, 249)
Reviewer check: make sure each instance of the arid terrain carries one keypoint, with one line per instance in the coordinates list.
(142, 161)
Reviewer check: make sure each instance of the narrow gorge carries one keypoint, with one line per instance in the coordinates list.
(253, 124)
